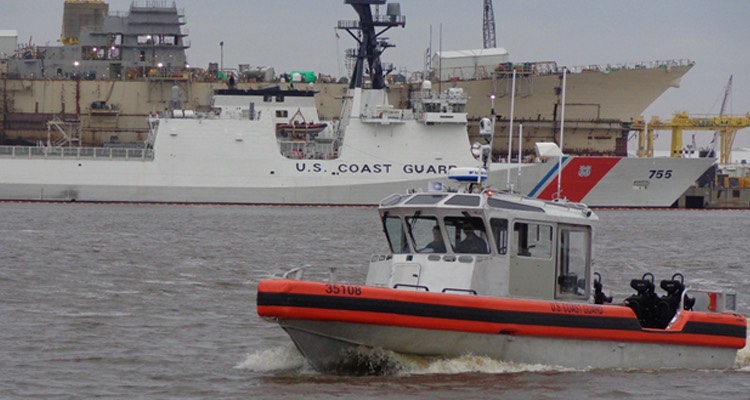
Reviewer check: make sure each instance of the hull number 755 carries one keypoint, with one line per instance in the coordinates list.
(660, 173)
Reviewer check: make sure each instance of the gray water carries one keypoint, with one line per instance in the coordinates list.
(153, 301)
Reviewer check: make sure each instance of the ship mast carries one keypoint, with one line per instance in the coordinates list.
(370, 47)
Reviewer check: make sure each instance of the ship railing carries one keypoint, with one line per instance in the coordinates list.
(77, 153)
(541, 68)
(656, 64)
(386, 114)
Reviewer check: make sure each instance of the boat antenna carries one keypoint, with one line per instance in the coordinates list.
(510, 129)
(370, 47)
(562, 123)
(520, 149)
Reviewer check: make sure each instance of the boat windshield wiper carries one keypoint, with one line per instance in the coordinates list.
(410, 222)
(467, 216)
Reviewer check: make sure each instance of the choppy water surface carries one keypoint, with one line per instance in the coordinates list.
(125, 301)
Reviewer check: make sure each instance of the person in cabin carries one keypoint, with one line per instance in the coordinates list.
(436, 245)
(471, 242)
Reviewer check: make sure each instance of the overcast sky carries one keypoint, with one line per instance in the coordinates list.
(299, 34)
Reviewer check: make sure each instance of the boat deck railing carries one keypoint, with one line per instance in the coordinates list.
(77, 153)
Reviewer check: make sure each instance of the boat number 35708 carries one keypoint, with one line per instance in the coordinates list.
(660, 173)
(349, 290)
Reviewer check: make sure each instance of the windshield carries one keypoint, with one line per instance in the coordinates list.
(467, 235)
(394, 231)
(426, 234)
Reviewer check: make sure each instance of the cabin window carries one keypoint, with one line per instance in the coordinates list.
(267, 98)
(282, 113)
(463, 200)
(497, 203)
(280, 98)
(426, 199)
(533, 240)
(499, 229)
(426, 234)
(394, 231)
(467, 235)
(574, 259)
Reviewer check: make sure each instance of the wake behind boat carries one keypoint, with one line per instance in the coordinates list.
(269, 146)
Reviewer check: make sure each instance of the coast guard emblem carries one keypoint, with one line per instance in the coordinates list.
(584, 171)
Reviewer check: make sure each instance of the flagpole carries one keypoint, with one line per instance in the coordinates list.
(510, 129)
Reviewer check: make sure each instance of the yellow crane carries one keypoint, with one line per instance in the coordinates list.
(726, 125)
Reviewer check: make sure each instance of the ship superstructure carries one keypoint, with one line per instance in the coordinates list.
(134, 62)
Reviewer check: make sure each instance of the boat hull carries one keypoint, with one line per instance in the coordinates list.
(330, 346)
(328, 321)
(609, 182)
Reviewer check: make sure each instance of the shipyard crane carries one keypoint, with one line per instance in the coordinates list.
(726, 125)
(727, 93)
(489, 25)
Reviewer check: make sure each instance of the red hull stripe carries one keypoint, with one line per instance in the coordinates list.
(572, 321)
(579, 176)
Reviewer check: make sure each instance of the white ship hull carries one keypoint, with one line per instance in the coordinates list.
(217, 168)
(244, 161)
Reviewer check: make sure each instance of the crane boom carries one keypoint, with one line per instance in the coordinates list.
(489, 25)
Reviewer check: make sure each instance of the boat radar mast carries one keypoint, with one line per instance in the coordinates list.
(370, 46)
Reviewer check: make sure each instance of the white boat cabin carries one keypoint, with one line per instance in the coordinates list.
(488, 244)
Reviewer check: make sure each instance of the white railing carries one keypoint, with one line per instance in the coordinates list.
(56, 153)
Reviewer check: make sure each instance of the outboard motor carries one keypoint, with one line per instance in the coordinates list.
(670, 302)
(645, 301)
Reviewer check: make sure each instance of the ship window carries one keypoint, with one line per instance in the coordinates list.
(463, 200)
(426, 234)
(497, 203)
(573, 261)
(280, 98)
(425, 199)
(267, 98)
(282, 113)
(499, 229)
(533, 240)
(395, 234)
(145, 39)
(467, 234)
